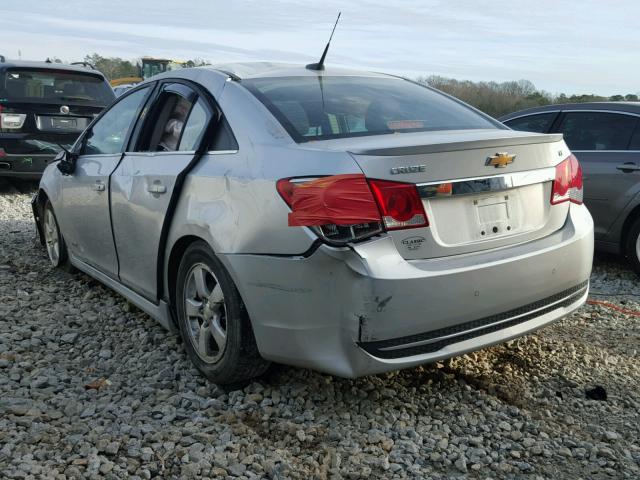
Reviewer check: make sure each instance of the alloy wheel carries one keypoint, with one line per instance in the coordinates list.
(51, 237)
(206, 313)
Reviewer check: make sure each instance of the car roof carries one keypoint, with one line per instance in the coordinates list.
(247, 70)
(49, 65)
(630, 107)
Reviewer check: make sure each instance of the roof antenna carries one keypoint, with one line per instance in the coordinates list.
(320, 64)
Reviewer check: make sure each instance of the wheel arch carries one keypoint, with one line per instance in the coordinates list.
(626, 227)
(41, 200)
(173, 263)
(178, 248)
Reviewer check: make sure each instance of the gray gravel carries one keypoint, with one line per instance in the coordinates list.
(90, 387)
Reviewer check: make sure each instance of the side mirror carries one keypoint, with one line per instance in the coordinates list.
(66, 161)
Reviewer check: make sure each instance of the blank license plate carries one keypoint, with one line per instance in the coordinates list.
(64, 123)
(496, 212)
(493, 214)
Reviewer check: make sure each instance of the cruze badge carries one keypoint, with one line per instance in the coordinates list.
(500, 160)
(410, 169)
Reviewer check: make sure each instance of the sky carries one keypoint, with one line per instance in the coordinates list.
(565, 46)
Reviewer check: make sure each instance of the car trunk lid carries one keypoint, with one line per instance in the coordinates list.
(480, 189)
(54, 118)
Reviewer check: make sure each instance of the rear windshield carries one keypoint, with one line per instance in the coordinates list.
(320, 108)
(51, 86)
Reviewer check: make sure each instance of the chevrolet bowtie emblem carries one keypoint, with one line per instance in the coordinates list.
(500, 160)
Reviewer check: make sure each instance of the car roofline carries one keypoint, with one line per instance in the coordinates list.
(7, 64)
(623, 107)
(249, 70)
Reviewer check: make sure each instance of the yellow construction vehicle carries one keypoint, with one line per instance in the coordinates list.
(148, 67)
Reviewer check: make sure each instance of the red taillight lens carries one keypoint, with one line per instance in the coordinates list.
(344, 208)
(567, 186)
(399, 204)
(334, 200)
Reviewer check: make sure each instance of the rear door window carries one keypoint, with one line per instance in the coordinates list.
(54, 86)
(179, 120)
(194, 127)
(635, 139)
(597, 130)
(538, 123)
(166, 123)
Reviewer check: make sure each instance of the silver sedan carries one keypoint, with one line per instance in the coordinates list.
(344, 221)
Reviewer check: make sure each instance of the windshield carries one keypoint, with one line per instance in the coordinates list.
(319, 108)
(54, 86)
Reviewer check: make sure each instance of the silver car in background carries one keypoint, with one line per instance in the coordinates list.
(344, 221)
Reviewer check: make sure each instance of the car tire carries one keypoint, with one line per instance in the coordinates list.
(632, 245)
(213, 320)
(54, 241)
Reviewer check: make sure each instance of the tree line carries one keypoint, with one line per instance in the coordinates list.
(116, 67)
(498, 99)
(494, 98)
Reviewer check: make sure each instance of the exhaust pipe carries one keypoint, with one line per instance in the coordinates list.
(5, 166)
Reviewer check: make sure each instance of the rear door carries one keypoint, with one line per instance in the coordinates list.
(601, 141)
(143, 184)
(85, 194)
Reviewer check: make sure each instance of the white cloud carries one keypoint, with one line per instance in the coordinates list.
(575, 47)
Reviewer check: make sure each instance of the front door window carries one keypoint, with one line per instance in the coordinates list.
(107, 136)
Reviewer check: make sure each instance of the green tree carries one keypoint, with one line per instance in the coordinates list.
(113, 67)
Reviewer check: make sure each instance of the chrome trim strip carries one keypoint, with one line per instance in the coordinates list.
(605, 151)
(619, 112)
(154, 154)
(221, 152)
(531, 115)
(159, 154)
(572, 111)
(9, 156)
(489, 183)
(453, 335)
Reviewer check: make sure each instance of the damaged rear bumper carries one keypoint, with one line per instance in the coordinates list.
(365, 310)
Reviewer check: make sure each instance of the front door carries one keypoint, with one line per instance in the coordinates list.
(85, 194)
(601, 141)
(143, 184)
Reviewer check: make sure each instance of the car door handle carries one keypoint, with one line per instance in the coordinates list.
(98, 187)
(156, 188)
(628, 167)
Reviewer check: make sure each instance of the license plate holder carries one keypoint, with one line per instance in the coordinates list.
(64, 123)
(494, 216)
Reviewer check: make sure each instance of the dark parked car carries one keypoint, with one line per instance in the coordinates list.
(42, 106)
(606, 139)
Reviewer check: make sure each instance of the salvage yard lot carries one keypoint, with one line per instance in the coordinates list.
(90, 386)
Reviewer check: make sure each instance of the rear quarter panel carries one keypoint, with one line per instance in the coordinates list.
(230, 199)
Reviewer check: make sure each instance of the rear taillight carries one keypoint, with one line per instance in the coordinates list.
(567, 186)
(346, 208)
(399, 204)
(11, 121)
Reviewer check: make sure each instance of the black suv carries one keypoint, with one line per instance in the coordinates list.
(44, 105)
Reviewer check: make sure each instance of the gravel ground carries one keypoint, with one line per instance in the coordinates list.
(90, 387)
